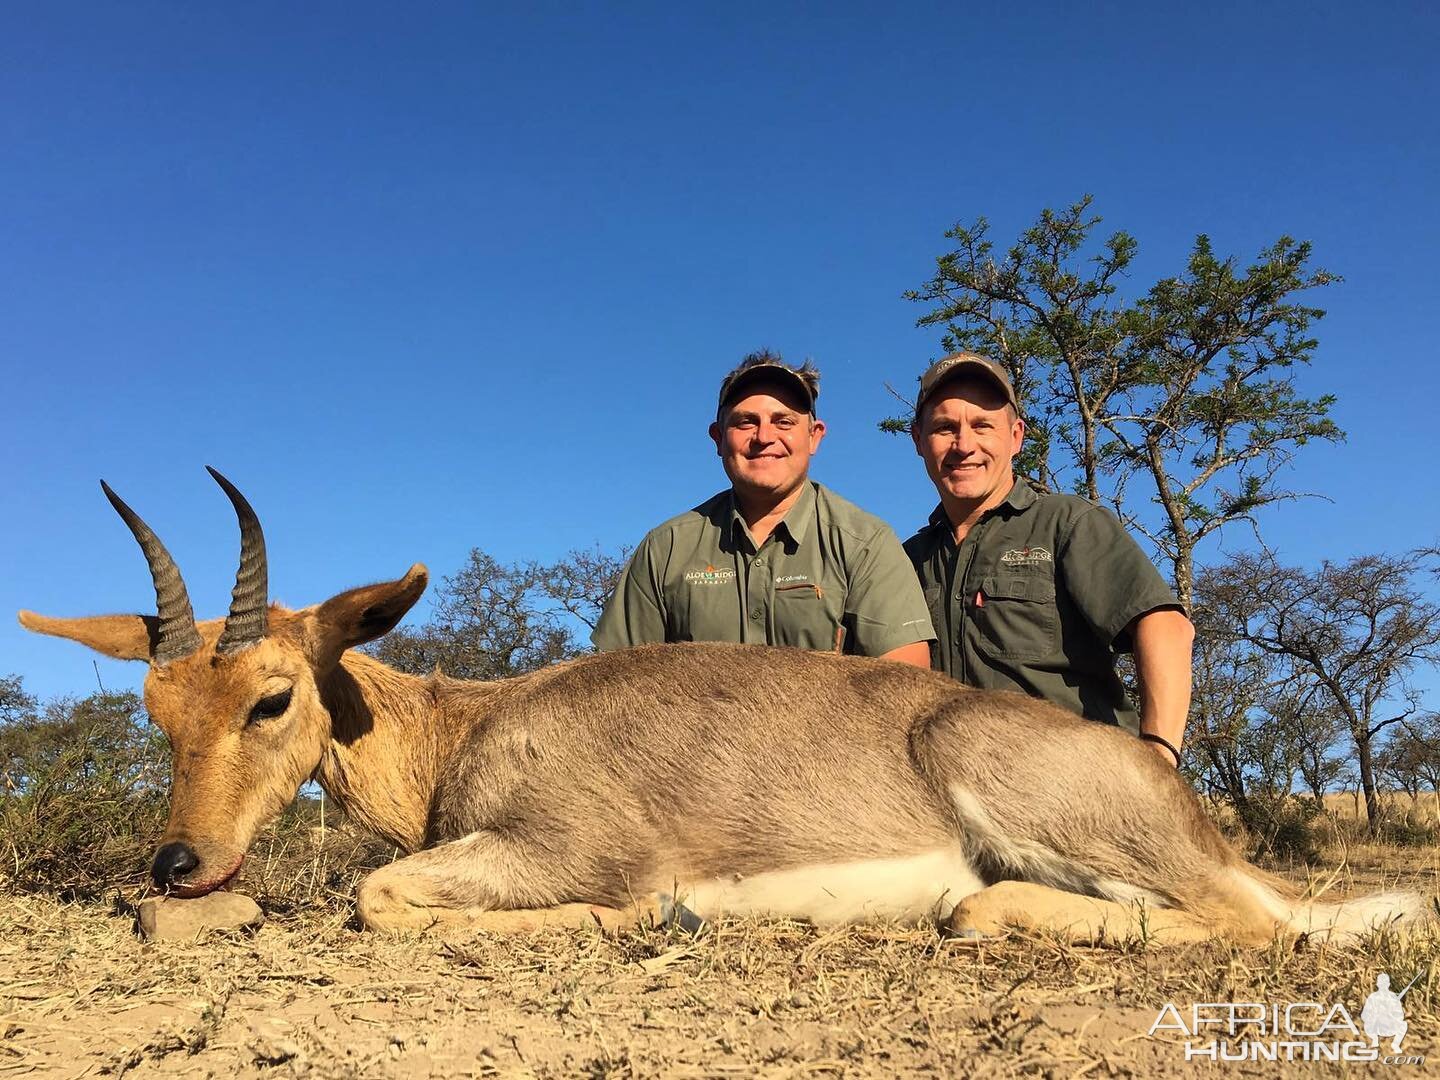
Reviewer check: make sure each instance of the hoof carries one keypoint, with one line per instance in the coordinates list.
(673, 913)
(967, 934)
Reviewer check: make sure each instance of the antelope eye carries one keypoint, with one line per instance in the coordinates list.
(267, 708)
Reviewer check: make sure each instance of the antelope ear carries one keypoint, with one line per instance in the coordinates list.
(125, 637)
(363, 614)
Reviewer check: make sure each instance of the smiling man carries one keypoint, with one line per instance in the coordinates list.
(776, 559)
(1033, 592)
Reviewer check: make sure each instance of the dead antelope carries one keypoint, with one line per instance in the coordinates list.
(740, 780)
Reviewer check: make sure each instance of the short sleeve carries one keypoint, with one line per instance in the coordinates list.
(633, 615)
(1109, 578)
(884, 606)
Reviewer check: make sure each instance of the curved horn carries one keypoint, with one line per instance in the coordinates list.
(177, 635)
(245, 625)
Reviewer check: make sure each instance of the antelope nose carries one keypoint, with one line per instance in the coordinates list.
(173, 862)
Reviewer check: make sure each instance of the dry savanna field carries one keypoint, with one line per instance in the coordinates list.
(311, 995)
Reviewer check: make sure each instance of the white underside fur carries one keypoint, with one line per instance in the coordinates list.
(909, 889)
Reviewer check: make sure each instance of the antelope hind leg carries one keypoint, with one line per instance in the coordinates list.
(1081, 920)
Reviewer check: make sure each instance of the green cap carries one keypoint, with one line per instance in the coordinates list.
(964, 363)
(766, 366)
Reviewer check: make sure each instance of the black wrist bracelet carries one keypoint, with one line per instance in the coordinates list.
(1150, 736)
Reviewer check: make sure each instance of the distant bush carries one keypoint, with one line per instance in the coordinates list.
(1406, 832)
(83, 787)
(1287, 827)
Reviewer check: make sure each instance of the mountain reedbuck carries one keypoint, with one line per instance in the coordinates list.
(702, 778)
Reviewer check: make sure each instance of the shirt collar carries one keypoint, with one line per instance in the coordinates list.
(791, 529)
(1022, 496)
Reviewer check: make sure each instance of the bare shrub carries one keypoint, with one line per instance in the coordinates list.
(309, 856)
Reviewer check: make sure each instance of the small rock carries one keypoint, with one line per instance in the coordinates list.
(168, 918)
(270, 1042)
(272, 1050)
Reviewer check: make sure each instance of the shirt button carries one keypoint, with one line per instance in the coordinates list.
(756, 614)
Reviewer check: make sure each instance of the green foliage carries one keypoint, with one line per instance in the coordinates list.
(1411, 758)
(492, 620)
(82, 791)
(15, 703)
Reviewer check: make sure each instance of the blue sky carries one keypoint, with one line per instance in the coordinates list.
(433, 276)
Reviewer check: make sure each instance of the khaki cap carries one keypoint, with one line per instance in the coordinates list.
(805, 379)
(964, 363)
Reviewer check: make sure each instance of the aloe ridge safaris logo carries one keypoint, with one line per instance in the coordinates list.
(709, 576)
(1026, 556)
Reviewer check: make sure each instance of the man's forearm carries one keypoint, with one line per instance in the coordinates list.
(917, 653)
(1163, 642)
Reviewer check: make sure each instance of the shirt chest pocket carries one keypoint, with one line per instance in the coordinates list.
(703, 610)
(805, 617)
(1016, 617)
(935, 604)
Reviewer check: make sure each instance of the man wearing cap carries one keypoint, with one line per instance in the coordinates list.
(776, 559)
(1037, 592)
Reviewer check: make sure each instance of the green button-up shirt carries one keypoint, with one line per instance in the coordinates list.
(1038, 598)
(829, 577)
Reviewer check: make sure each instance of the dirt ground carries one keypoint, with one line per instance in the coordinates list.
(309, 995)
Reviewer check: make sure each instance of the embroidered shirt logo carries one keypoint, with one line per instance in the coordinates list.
(788, 579)
(709, 576)
(1029, 556)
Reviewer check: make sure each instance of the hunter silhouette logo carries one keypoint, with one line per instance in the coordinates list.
(1384, 1013)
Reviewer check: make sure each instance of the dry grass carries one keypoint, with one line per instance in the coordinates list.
(312, 996)
(1398, 804)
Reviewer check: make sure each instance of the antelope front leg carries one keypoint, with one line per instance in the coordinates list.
(482, 882)
(518, 921)
(1081, 920)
